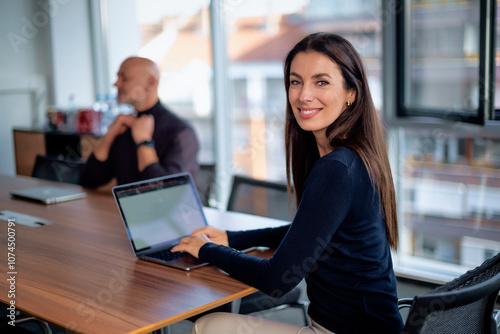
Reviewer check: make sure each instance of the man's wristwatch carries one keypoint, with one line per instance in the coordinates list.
(150, 143)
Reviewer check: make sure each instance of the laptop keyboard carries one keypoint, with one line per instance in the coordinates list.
(166, 255)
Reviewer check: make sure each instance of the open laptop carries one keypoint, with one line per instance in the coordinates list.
(49, 194)
(157, 213)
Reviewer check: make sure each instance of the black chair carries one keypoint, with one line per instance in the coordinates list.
(205, 183)
(57, 169)
(24, 324)
(261, 198)
(462, 306)
(267, 199)
(63, 145)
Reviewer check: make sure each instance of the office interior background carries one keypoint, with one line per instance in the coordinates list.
(431, 65)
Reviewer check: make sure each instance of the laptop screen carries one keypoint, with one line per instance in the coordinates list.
(159, 211)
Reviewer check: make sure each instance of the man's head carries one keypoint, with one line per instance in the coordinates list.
(137, 83)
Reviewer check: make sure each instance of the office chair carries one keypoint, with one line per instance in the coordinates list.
(56, 169)
(267, 199)
(63, 145)
(261, 198)
(25, 324)
(462, 306)
(205, 183)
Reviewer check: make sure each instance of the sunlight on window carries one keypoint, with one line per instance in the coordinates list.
(177, 37)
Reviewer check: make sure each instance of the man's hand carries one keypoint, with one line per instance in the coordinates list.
(119, 126)
(143, 128)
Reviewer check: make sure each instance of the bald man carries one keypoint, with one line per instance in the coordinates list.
(150, 144)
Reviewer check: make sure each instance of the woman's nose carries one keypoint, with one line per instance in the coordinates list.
(306, 94)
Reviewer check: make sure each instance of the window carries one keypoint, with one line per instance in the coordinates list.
(178, 37)
(445, 62)
(449, 195)
(259, 35)
(448, 174)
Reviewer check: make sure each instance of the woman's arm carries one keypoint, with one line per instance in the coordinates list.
(325, 203)
(266, 237)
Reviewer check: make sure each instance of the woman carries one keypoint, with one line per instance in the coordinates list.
(346, 222)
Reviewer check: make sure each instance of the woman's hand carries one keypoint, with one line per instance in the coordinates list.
(191, 244)
(216, 235)
(199, 237)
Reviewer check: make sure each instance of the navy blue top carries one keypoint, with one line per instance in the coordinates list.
(176, 145)
(337, 241)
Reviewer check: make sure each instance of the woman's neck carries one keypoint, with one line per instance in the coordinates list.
(323, 146)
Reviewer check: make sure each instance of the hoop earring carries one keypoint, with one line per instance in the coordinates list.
(349, 103)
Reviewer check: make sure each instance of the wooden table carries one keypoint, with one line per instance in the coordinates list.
(80, 272)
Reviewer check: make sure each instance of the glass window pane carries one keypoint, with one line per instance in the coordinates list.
(259, 35)
(450, 196)
(442, 56)
(177, 36)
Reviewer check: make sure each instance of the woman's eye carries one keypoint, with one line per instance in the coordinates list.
(323, 83)
(295, 82)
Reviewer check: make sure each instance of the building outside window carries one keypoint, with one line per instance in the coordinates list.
(449, 173)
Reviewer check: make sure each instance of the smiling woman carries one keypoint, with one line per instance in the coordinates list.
(345, 225)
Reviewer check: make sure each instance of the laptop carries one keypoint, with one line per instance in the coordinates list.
(49, 194)
(157, 213)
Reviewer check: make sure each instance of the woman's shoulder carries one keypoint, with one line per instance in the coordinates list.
(344, 155)
(338, 162)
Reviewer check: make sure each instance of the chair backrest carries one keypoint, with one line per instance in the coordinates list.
(205, 183)
(262, 198)
(63, 145)
(464, 305)
(55, 169)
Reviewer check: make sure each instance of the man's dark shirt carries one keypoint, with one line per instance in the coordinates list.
(176, 145)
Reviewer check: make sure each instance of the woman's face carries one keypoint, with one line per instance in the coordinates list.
(316, 93)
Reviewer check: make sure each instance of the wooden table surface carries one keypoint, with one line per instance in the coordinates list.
(80, 272)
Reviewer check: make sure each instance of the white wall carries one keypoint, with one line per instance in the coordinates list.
(72, 53)
(25, 71)
(45, 52)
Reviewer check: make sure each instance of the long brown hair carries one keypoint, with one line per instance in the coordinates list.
(358, 127)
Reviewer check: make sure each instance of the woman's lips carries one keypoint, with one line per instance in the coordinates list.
(306, 113)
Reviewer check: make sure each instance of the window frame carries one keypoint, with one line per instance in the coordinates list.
(485, 111)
